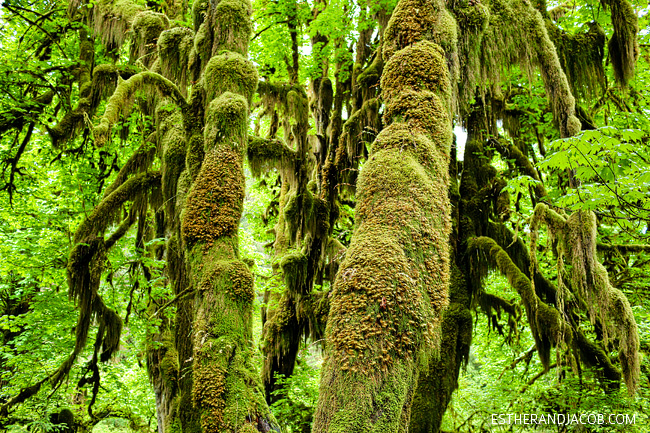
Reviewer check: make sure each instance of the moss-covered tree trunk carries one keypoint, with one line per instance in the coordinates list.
(226, 393)
(392, 286)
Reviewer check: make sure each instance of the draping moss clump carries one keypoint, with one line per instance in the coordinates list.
(266, 154)
(608, 308)
(517, 34)
(546, 324)
(120, 102)
(294, 267)
(147, 26)
(112, 20)
(174, 47)
(581, 56)
(623, 45)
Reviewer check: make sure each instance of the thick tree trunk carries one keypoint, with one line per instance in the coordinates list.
(389, 293)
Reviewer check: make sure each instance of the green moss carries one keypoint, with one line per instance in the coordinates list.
(545, 322)
(418, 67)
(423, 111)
(97, 221)
(227, 123)
(174, 47)
(199, 11)
(623, 45)
(230, 72)
(266, 154)
(371, 75)
(112, 19)
(121, 100)
(294, 266)
(214, 204)
(413, 21)
(147, 26)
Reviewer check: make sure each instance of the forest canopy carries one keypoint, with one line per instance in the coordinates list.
(312, 216)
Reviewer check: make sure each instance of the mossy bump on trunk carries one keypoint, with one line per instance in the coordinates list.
(391, 289)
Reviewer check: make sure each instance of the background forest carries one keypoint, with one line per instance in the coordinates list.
(296, 216)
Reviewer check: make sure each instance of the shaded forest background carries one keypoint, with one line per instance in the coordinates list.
(436, 211)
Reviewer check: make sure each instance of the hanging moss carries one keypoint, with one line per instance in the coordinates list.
(147, 26)
(122, 97)
(545, 322)
(112, 19)
(517, 35)
(174, 46)
(581, 56)
(576, 240)
(370, 75)
(294, 267)
(199, 11)
(98, 219)
(623, 45)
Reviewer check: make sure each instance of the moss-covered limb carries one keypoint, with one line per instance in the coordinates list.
(360, 128)
(171, 136)
(71, 123)
(518, 252)
(606, 304)
(369, 77)
(220, 29)
(104, 80)
(124, 93)
(121, 230)
(472, 19)
(491, 303)
(555, 81)
(623, 45)
(589, 282)
(265, 154)
(623, 248)
(517, 34)
(20, 114)
(547, 326)
(139, 161)
(594, 356)
(280, 343)
(22, 396)
(97, 220)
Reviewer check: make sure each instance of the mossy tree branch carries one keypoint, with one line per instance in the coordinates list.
(124, 93)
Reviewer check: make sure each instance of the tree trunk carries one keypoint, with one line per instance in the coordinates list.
(392, 286)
